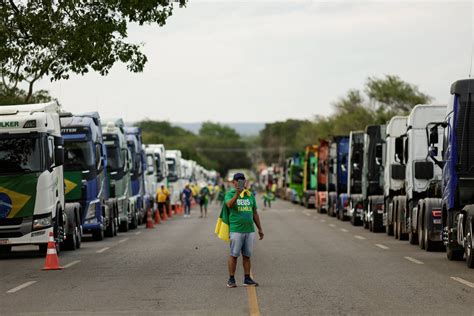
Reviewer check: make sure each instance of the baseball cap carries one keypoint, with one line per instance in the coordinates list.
(238, 176)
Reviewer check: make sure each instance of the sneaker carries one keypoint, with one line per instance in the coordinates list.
(250, 282)
(231, 282)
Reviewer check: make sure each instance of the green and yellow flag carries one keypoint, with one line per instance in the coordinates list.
(222, 226)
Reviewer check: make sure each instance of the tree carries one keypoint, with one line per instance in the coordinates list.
(18, 96)
(58, 37)
(392, 96)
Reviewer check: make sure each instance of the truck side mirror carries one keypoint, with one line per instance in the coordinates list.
(399, 150)
(378, 154)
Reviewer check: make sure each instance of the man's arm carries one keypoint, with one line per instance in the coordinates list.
(256, 219)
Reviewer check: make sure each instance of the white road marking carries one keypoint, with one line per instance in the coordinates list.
(359, 237)
(71, 264)
(381, 246)
(470, 284)
(102, 250)
(332, 225)
(123, 240)
(138, 233)
(20, 287)
(344, 230)
(414, 260)
(323, 221)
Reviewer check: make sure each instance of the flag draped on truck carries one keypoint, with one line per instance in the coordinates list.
(222, 226)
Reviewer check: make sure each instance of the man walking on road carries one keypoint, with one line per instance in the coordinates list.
(242, 216)
(187, 196)
(161, 197)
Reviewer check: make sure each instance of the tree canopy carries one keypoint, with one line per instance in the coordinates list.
(384, 97)
(58, 37)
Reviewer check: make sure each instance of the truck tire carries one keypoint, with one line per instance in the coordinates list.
(71, 240)
(4, 250)
(429, 244)
(400, 234)
(133, 222)
(395, 220)
(468, 247)
(421, 240)
(412, 235)
(123, 226)
(109, 231)
(98, 235)
(389, 228)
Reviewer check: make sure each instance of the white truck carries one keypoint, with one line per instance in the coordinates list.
(394, 173)
(32, 188)
(175, 176)
(419, 219)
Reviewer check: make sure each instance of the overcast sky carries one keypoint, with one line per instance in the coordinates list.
(263, 61)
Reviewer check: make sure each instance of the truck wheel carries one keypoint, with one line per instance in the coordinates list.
(110, 230)
(412, 237)
(98, 235)
(468, 247)
(5, 250)
(71, 240)
(429, 244)
(421, 240)
(389, 230)
(454, 254)
(395, 223)
(133, 222)
(124, 226)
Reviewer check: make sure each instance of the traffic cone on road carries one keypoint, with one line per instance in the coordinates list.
(164, 217)
(157, 217)
(52, 260)
(149, 220)
(169, 211)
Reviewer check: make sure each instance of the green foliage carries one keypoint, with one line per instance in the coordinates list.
(18, 96)
(216, 146)
(385, 97)
(56, 38)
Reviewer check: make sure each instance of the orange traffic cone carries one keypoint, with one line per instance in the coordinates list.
(157, 217)
(169, 211)
(52, 260)
(164, 217)
(149, 220)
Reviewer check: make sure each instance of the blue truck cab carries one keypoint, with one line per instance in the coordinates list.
(458, 172)
(137, 175)
(341, 170)
(85, 173)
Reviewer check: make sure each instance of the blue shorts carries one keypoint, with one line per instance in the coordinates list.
(241, 243)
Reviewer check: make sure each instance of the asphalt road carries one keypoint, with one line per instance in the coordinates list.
(308, 264)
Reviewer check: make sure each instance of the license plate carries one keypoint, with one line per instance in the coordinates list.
(436, 221)
(3, 241)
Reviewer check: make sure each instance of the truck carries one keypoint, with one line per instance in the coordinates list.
(119, 166)
(296, 178)
(85, 174)
(310, 175)
(337, 179)
(137, 176)
(373, 177)
(457, 213)
(355, 207)
(161, 164)
(419, 219)
(175, 177)
(32, 190)
(323, 171)
(151, 178)
(394, 173)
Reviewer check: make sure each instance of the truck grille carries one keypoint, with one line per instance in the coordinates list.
(11, 221)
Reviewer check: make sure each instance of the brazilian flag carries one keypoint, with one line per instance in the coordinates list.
(18, 195)
(222, 226)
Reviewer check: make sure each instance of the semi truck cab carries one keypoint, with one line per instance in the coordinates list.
(354, 177)
(137, 196)
(323, 171)
(310, 175)
(119, 164)
(32, 203)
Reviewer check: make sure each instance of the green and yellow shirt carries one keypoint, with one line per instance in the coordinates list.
(241, 215)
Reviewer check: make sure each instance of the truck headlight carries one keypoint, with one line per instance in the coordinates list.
(43, 222)
(91, 211)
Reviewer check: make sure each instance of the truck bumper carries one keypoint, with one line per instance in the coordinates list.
(32, 238)
(90, 227)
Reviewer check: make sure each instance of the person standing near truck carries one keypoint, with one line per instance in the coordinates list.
(187, 196)
(204, 200)
(242, 209)
(162, 195)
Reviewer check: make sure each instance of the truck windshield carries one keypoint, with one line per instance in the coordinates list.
(19, 153)
(115, 160)
(171, 166)
(158, 164)
(78, 155)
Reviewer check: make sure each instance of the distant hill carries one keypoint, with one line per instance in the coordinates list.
(244, 129)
